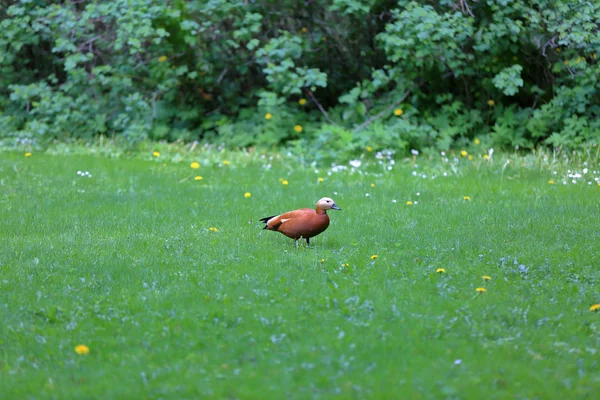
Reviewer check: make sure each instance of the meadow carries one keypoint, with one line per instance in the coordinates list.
(441, 278)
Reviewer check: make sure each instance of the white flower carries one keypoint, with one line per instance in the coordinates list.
(355, 163)
(414, 152)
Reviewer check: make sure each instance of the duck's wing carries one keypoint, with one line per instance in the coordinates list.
(273, 223)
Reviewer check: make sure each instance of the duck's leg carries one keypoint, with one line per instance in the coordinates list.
(307, 241)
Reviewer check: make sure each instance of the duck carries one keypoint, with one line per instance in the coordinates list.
(302, 223)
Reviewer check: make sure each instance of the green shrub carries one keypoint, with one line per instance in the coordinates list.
(508, 72)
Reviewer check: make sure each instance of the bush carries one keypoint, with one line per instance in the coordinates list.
(508, 72)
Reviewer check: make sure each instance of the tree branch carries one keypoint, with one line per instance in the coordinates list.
(384, 112)
(312, 96)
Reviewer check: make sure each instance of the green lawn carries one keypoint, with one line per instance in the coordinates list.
(125, 263)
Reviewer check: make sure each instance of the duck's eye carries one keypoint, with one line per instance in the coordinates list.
(327, 201)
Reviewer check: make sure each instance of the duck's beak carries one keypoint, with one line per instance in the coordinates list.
(334, 207)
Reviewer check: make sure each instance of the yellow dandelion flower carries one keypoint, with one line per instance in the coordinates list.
(162, 58)
(198, 178)
(321, 180)
(398, 112)
(550, 182)
(595, 307)
(303, 30)
(440, 270)
(463, 153)
(195, 165)
(374, 257)
(491, 103)
(28, 154)
(298, 128)
(268, 116)
(372, 185)
(226, 162)
(156, 154)
(82, 349)
(322, 260)
(470, 157)
(466, 198)
(486, 278)
(481, 290)
(247, 195)
(345, 265)
(213, 229)
(476, 141)
(284, 182)
(369, 149)
(486, 157)
(302, 102)
(409, 203)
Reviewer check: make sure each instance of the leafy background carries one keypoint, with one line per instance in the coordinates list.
(395, 75)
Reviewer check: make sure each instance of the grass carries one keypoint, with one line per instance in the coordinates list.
(125, 263)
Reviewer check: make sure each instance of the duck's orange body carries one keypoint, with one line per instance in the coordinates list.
(303, 223)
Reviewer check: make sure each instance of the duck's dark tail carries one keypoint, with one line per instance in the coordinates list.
(266, 219)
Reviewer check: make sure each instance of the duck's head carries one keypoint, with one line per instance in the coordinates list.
(327, 203)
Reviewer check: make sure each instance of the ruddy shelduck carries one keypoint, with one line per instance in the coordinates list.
(303, 223)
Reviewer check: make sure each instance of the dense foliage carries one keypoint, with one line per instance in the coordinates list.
(345, 73)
